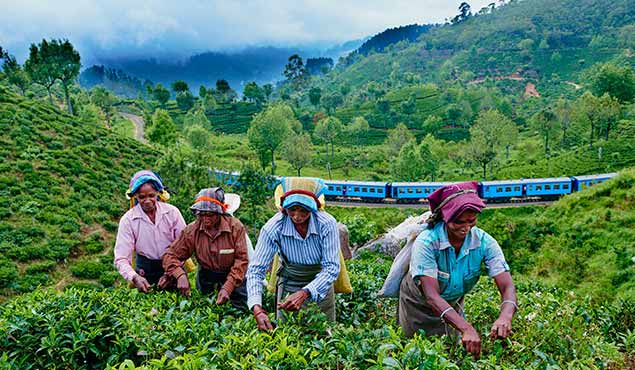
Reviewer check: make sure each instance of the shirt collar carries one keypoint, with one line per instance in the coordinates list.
(137, 212)
(222, 227)
(472, 241)
(289, 230)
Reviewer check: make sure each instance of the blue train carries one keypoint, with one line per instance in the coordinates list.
(417, 192)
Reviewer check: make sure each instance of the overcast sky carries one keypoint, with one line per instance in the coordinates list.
(146, 28)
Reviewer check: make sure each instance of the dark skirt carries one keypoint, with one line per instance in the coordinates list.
(209, 282)
(150, 269)
(292, 278)
(414, 313)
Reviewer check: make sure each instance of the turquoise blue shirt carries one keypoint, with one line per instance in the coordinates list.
(434, 256)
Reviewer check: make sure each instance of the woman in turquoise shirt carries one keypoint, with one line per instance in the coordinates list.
(446, 264)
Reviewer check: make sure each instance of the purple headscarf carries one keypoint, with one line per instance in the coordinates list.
(452, 200)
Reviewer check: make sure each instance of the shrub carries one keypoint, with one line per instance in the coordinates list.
(46, 266)
(8, 272)
(87, 269)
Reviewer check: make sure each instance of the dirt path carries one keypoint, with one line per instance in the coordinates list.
(139, 125)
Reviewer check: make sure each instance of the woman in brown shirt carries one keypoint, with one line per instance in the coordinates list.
(219, 242)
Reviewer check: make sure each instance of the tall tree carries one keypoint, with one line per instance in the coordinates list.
(253, 93)
(161, 94)
(185, 100)
(407, 166)
(332, 101)
(41, 66)
(491, 132)
(224, 93)
(104, 99)
(618, 82)
(163, 130)
(15, 73)
(180, 86)
(67, 66)
(327, 131)
(269, 129)
(546, 123)
(357, 130)
(268, 90)
(429, 162)
(294, 71)
(197, 117)
(297, 151)
(397, 138)
(315, 94)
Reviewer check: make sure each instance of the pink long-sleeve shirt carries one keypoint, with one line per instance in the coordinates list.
(138, 234)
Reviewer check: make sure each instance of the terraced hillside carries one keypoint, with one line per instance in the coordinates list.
(62, 184)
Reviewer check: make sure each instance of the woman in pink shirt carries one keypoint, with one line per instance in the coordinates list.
(146, 230)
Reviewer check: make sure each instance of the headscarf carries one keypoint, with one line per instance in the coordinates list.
(448, 202)
(307, 192)
(210, 200)
(143, 177)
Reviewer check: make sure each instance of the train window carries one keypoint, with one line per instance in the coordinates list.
(418, 191)
(487, 188)
(338, 188)
(409, 190)
(372, 190)
(547, 187)
(499, 189)
(380, 191)
(330, 188)
(538, 187)
(401, 191)
(508, 189)
(565, 186)
(427, 191)
(356, 189)
(516, 188)
(365, 190)
(556, 187)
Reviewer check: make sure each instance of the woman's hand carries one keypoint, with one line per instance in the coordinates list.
(262, 320)
(141, 283)
(471, 341)
(164, 281)
(222, 297)
(294, 301)
(183, 285)
(502, 328)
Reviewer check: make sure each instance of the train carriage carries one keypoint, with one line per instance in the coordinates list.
(581, 182)
(412, 192)
(501, 190)
(548, 188)
(364, 190)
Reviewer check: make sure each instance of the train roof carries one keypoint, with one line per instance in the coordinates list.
(503, 182)
(595, 177)
(422, 183)
(353, 183)
(549, 179)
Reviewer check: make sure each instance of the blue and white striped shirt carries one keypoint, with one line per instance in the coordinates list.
(321, 246)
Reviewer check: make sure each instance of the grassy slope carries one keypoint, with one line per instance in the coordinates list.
(62, 191)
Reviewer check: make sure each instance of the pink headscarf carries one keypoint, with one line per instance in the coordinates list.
(450, 201)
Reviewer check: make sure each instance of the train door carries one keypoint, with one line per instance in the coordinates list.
(524, 194)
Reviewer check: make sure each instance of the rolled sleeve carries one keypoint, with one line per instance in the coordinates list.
(423, 261)
(176, 254)
(265, 249)
(237, 272)
(493, 255)
(124, 249)
(320, 286)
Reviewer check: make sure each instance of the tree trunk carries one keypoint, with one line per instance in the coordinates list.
(68, 99)
(50, 96)
(591, 135)
(484, 170)
(299, 172)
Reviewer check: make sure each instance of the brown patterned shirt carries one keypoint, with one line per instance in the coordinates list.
(222, 249)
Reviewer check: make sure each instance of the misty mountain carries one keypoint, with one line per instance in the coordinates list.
(260, 64)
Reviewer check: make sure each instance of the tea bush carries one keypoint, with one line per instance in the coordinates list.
(120, 328)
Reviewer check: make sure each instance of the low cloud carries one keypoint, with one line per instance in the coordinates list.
(152, 28)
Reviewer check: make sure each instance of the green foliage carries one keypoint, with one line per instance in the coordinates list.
(161, 94)
(163, 130)
(269, 129)
(297, 151)
(618, 82)
(8, 272)
(88, 269)
(185, 100)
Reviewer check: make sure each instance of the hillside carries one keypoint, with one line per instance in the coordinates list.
(539, 40)
(63, 184)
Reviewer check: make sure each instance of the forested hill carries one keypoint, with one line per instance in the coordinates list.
(538, 39)
(62, 182)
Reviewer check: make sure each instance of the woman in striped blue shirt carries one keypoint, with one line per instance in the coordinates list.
(307, 240)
